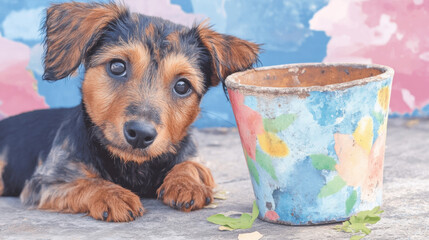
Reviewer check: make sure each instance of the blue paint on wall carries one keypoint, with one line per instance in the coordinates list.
(281, 25)
(283, 28)
(312, 49)
(186, 5)
(61, 93)
(215, 110)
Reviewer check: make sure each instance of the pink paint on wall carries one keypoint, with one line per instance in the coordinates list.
(393, 33)
(17, 85)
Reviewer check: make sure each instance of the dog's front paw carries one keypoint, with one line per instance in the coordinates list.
(188, 186)
(115, 204)
(184, 193)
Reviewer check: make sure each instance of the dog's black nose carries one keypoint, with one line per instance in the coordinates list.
(139, 134)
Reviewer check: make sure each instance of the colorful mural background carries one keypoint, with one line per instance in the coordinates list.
(370, 31)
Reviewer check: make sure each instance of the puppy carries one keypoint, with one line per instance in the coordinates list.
(143, 83)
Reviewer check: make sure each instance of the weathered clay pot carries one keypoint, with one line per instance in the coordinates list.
(313, 136)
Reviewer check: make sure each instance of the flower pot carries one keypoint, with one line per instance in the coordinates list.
(313, 137)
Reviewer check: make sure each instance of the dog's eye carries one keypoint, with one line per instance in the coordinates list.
(182, 87)
(118, 68)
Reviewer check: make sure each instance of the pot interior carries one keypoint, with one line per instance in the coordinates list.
(306, 75)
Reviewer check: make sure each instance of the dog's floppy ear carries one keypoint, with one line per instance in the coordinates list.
(72, 29)
(229, 54)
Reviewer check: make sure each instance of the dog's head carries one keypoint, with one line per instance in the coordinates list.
(144, 76)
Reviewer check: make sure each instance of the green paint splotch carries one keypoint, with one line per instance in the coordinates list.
(265, 162)
(279, 123)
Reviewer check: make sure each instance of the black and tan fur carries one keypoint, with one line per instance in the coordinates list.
(78, 160)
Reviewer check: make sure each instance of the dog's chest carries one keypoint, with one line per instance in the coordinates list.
(143, 179)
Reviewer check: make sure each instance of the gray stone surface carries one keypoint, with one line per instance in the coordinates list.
(406, 199)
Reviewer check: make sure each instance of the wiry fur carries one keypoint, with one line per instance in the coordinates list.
(77, 159)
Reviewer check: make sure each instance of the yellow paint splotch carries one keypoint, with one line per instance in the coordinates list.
(383, 97)
(273, 145)
(364, 133)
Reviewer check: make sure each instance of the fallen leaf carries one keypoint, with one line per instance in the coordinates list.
(357, 237)
(412, 122)
(358, 222)
(231, 213)
(360, 227)
(255, 211)
(223, 228)
(250, 236)
(220, 195)
(211, 205)
(245, 220)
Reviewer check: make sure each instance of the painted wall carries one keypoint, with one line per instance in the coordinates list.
(390, 32)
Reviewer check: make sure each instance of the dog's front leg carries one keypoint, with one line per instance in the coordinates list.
(188, 186)
(81, 192)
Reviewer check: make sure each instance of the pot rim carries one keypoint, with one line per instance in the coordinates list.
(232, 83)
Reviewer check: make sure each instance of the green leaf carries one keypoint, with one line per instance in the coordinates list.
(255, 211)
(245, 221)
(252, 169)
(323, 162)
(346, 229)
(279, 123)
(356, 219)
(369, 216)
(358, 222)
(372, 219)
(357, 237)
(265, 162)
(220, 219)
(376, 211)
(360, 227)
(351, 201)
(332, 187)
(235, 223)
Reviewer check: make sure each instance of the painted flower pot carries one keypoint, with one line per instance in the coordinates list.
(313, 137)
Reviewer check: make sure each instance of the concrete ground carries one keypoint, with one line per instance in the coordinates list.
(406, 199)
